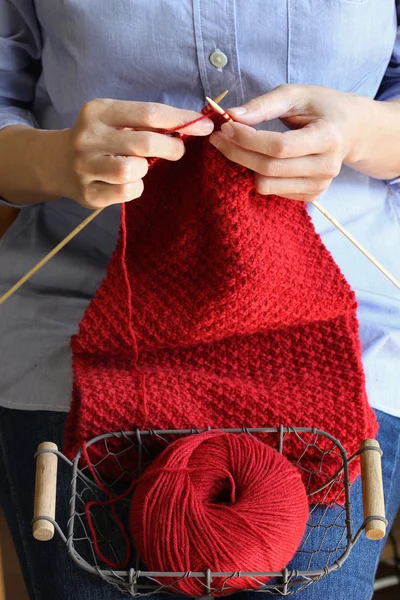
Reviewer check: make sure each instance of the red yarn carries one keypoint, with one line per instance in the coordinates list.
(130, 328)
(218, 501)
(112, 501)
(220, 308)
(207, 114)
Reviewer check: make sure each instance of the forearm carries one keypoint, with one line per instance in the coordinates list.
(378, 155)
(28, 158)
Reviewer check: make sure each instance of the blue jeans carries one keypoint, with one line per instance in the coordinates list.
(51, 575)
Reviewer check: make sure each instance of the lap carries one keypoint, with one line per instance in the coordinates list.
(355, 579)
(50, 573)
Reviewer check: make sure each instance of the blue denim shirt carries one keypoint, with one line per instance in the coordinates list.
(57, 54)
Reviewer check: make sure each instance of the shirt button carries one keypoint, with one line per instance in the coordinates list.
(218, 59)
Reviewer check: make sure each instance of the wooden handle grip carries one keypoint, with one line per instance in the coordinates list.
(372, 490)
(45, 492)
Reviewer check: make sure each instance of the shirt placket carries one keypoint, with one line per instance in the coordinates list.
(217, 53)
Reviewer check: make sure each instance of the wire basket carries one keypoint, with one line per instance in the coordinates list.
(326, 544)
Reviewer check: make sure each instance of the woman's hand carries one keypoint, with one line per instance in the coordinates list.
(100, 161)
(327, 128)
(110, 142)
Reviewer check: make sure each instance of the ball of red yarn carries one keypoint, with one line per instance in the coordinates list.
(218, 501)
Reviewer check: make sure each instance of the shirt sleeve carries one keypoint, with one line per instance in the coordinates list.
(390, 86)
(20, 52)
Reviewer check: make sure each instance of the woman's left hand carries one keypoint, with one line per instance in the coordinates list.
(327, 128)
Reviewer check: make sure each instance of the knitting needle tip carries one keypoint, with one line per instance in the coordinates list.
(217, 108)
(219, 98)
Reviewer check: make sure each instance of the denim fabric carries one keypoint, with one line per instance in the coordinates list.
(51, 575)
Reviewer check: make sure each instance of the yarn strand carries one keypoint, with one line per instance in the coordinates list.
(112, 501)
(208, 112)
(131, 329)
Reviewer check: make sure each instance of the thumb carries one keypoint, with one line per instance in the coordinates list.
(279, 103)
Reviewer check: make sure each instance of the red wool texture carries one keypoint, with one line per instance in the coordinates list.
(220, 501)
(220, 308)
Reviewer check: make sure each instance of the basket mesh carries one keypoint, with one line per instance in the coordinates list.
(325, 545)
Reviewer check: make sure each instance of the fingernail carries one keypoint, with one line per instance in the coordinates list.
(207, 126)
(240, 110)
(228, 130)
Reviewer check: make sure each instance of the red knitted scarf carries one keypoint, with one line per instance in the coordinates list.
(220, 308)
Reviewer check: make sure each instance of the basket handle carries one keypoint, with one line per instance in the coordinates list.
(372, 489)
(45, 491)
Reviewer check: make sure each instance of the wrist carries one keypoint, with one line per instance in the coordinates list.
(364, 124)
(51, 149)
(376, 151)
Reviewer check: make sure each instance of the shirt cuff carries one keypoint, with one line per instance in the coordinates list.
(390, 86)
(14, 115)
(4, 202)
(394, 184)
(390, 92)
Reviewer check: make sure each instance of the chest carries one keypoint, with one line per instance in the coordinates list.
(138, 47)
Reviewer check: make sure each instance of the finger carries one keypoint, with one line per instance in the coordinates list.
(280, 102)
(315, 138)
(302, 197)
(152, 115)
(116, 169)
(141, 143)
(246, 158)
(99, 194)
(289, 187)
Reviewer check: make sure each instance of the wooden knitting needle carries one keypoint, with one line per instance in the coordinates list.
(326, 214)
(217, 108)
(356, 244)
(67, 239)
(50, 255)
(218, 99)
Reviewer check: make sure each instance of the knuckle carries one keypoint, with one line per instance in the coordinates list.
(121, 192)
(332, 168)
(78, 164)
(90, 108)
(139, 188)
(144, 144)
(86, 109)
(89, 197)
(257, 103)
(320, 185)
(177, 149)
(269, 168)
(325, 184)
(332, 135)
(289, 91)
(80, 140)
(284, 87)
(129, 192)
(261, 184)
(121, 170)
(312, 185)
(280, 148)
(148, 113)
(143, 167)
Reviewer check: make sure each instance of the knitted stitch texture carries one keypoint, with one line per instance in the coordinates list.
(220, 308)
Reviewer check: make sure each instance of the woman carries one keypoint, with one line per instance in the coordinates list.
(72, 76)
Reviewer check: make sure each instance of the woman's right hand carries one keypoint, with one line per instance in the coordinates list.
(102, 159)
